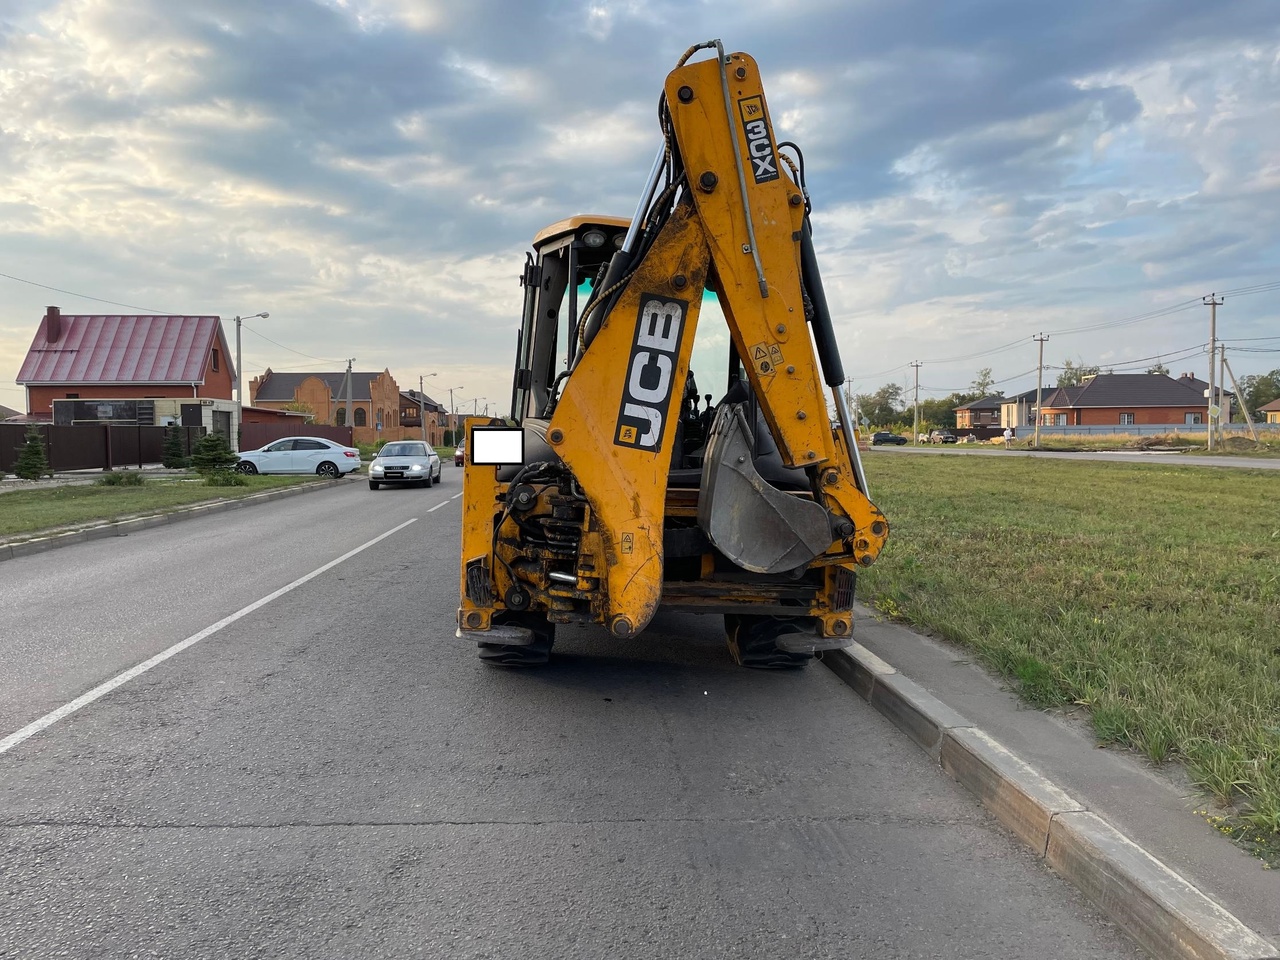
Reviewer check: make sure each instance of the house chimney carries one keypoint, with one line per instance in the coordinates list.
(52, 324)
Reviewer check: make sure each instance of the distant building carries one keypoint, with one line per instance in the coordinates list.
(979, 413)
(134, 359)
(380, 410)
(1129, 399)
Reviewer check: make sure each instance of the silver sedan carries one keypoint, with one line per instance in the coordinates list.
(405, 461)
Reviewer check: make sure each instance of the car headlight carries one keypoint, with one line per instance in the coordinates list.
(417, 467)
(375, 468)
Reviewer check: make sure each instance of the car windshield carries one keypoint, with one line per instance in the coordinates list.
(404, 450)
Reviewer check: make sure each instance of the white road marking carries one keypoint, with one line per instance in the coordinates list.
(49, 719)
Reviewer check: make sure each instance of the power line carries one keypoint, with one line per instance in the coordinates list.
(85, 296)
(290, 349)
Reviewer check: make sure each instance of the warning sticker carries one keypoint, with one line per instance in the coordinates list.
(626, 434)
(765, 358)
(628, 542)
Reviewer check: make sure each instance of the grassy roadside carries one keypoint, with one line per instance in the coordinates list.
(1234, 445)
(31, 511)
(1148, 594)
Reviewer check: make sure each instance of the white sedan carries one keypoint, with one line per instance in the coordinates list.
(316, 455)
(405, 461)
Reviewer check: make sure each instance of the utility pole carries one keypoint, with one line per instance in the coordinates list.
(1040, 338)
(350, 422)
(1244, 407)
(239, 375)
(1213, 304)
(915, 406)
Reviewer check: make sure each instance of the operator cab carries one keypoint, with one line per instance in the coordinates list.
(560, 279)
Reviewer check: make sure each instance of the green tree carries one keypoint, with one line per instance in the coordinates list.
(1258, 390)
(297, 406)
(173, 456)
(982, 385)
(212, 456)
(883, 407)
(1159, 368)
(1073, 375)
(32, 463)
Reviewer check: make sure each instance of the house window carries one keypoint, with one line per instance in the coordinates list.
(1126, 419)
(361, 417)
(340, 418)
(1059, 419)
(1192, 418)
(214, 356)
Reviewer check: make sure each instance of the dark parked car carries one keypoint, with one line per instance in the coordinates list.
(884, 436)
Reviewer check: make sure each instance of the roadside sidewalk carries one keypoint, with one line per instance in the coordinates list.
(1147, 806)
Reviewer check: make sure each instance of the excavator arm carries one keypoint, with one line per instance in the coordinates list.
(581, 528)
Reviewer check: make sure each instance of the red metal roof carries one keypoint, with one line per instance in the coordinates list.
(147, 349)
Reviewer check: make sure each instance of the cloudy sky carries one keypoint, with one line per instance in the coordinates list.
(371, 171)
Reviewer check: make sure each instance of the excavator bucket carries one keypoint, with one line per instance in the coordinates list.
(754, 524)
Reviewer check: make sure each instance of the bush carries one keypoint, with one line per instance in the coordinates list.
(32, 463)
(173, 457)
(124, 478)
(225, 478)
(212, 455)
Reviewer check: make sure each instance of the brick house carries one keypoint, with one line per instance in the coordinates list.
(377, 403)
(415, 407)
(979, 413)
(132, 358)
(1020, 409)
(1137, 399)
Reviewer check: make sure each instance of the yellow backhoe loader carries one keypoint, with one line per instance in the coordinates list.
(614, 487)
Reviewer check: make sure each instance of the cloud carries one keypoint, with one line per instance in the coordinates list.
(371, 171)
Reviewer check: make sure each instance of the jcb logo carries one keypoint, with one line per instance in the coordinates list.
(646, 394)
(764, 163)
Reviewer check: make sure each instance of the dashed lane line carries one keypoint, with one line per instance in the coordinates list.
(49, 719)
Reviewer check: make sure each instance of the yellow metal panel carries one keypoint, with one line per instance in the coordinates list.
(769, 332)
(621, 459)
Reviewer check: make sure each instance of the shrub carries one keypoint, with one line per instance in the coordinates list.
(212, 455)
(124, 478)
(225, 478)
(32, 463)
(173, 457)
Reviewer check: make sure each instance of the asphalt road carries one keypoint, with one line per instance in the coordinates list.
(332, 774)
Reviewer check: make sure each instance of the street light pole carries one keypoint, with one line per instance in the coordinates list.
(453, 426)
(239, 375)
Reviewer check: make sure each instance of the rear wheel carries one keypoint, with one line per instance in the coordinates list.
(245, 467)
(754, 640)
(327, 470)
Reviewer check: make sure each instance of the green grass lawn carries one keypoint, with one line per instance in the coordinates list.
(1149, 594)
(30, 511)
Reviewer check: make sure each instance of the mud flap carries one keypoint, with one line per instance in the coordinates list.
(754, 524)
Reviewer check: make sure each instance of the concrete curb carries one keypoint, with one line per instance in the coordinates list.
(122, 528)
(1161, 910)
